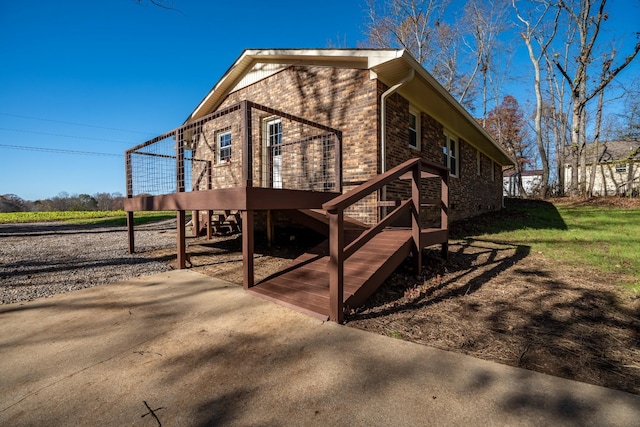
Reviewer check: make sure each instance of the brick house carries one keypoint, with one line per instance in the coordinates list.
(388, 108)
(363, 146)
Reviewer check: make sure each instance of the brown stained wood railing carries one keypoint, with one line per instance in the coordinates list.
(338, 253)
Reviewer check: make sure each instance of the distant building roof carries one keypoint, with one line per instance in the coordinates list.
(613, 151)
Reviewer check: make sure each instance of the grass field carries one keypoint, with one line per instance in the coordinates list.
(604, 238)
(115, 218)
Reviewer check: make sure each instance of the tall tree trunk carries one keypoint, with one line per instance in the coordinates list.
(596, 145)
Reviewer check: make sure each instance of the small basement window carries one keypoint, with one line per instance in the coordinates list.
(621, 168)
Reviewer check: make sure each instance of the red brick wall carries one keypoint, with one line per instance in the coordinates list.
(348, 100)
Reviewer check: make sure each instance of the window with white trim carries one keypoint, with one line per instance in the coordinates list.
(621, 168)
(224, 146)
(414, 129)
(450, 154)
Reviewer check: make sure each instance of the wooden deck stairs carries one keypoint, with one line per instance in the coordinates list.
(212, 222)
(345, 270)
(304, 284)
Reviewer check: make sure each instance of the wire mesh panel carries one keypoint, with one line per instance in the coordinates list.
(305, 164)
(283, 151)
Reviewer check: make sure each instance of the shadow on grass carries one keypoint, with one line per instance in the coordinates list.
(517, 215)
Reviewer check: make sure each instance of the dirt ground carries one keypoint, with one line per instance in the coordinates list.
(489, 300)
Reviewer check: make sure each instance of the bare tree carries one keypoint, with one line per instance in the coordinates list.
(588, 17)
(419, 26)
(484, 21)
(538, 34)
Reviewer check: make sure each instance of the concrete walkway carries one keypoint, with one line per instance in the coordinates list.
(199, 352)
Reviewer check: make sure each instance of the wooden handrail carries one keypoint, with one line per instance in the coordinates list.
(345, 200)
(415, 170)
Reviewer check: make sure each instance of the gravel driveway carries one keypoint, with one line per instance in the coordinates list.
(44, 259)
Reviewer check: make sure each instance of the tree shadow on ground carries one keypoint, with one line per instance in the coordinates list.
(503, 303)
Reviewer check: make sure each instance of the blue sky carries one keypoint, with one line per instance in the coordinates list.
(102, 76)
(131, 71)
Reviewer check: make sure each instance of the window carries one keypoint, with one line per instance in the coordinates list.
(450, 154)
(621, 168)
(224, 146)
(272, 134)
(414, 129)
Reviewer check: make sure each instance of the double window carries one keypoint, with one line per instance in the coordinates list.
(224, 146)
(450, 154)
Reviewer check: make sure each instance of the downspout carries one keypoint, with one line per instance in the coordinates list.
(383, 126)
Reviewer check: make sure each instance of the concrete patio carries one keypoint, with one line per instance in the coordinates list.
(183, 349)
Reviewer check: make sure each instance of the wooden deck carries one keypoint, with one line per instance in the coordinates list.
(304, 284)
(355, 260)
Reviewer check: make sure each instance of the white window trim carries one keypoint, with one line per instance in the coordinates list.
(451, 138)
(219, 148)
(266, 176)
(416, 113)
(621, 168)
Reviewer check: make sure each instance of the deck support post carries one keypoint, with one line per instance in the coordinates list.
(132, 246)
(336, 266)
(269, 228)
(444, 212)
(195, 223)
(247, 248)
(182, 247)
(209, 225)
(415, 218)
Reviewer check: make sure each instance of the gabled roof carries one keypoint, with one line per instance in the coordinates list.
(388, 65)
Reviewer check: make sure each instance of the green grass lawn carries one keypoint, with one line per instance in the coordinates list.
(114, 218)
(603, 238)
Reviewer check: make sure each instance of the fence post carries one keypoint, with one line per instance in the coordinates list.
(336, 265)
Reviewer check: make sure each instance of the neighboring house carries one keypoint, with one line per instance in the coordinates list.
(531, 181)
(288, 130)
(617, 170)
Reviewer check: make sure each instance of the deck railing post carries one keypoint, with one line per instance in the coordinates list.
(179, 161)
(247, 146)
(336, 265)
(338, 154)
(415, 217)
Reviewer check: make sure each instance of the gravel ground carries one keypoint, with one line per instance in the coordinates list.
(44, 259)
